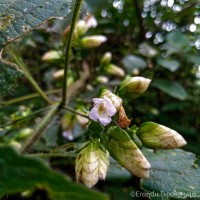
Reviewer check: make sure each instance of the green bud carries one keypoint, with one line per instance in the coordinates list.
(157, 136)
(116, 101)
(124, 150)
(91, 164)
(114, 70)
(93, 41)
(134, 85)
(106, 59)
(24, 133)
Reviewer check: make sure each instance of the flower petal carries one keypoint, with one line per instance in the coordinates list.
(94, 114)
(105, 121)
(111, 110)
(98, 100)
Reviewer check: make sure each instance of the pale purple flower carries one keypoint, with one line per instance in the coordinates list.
(102, 111)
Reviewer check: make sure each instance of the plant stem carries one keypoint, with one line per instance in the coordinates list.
(26, 97)
(41, 127)
(77, 7)
(23, 67)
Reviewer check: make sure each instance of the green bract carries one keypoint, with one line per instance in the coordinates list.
(157, 136)
(125, 151)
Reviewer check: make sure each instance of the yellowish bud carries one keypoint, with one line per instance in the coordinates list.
(134, 85)
(157, 136)
(106, 59)
(114, 70)
(52, 55)
(93, 41)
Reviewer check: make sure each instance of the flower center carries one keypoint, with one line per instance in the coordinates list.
(102, 110)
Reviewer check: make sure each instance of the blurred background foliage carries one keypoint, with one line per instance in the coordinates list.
(156, 39)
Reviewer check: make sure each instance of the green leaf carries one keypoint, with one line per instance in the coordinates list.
(169, 64)
(172, 172)
(171, 88)
(177, 42)
(8, 77)
(19, 17)
(20, 173)
(132, 62)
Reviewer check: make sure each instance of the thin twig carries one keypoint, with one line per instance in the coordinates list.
(27, 97)
(77, 7)
(39, 130)
(25, 118)
(75, 112)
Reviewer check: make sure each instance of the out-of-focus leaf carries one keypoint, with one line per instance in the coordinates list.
(169, 64)
(19, 17)
(194, 59)
(132, 62)
(51, 134)
(96, 4)
(20, 173)
(171, 88)
(177, 43)
(8, 78)
(172, 172)
(147, 50)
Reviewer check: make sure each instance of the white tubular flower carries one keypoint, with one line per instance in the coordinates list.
(103, 110)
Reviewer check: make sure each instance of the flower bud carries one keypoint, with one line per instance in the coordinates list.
(114, 70)
(102, 79)
(116, 101)
(106, 59)
(134, 85)
(24, 133)
(52, 55)
(93, 41)
(91, 164)
(157, 136)
(80, 28)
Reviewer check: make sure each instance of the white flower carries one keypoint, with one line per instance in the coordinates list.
(103, 110)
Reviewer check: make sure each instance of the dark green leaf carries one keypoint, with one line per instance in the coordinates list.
(171, 88)
(22, 173)
(19, 17)
(8, 77)
(172, 172)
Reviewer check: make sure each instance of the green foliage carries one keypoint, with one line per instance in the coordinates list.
(21, 173)
(173, 172)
